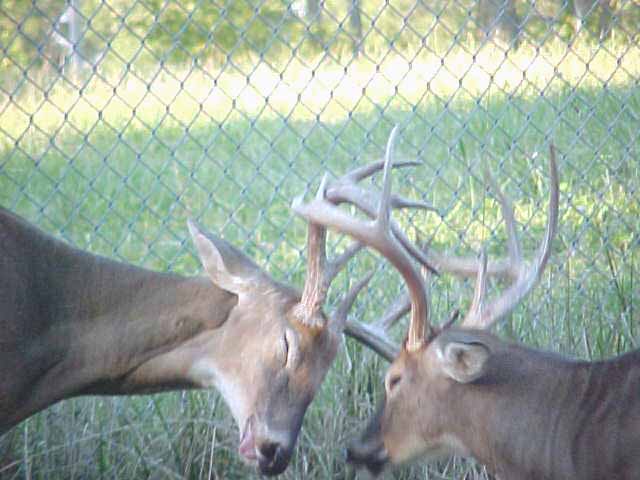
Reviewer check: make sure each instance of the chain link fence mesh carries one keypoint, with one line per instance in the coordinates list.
(118, 120)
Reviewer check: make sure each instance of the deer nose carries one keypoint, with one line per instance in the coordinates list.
(373, 459)
(269, 449)
(354, 456)
(273, 457)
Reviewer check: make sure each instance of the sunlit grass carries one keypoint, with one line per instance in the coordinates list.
(320, 89)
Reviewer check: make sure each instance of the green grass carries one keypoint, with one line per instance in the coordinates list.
(123, 184)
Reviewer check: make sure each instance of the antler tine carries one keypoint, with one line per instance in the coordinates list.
(373, 337)
(378, 235)
(334, 266)
(474, 315)
(384, 205)
(513, 244)
(452, 319)
(314, 291)
(467, 266)
(345, 191)
(360, 173)
(395, 312)
(320, 271)
(527, 276)
(342, 312)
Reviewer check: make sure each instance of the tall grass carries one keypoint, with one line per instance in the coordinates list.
(117, 168)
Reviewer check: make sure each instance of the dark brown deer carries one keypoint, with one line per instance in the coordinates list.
(73, 323)
(523, 413)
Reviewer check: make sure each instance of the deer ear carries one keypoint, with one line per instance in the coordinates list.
(463, 362)
(227, 266)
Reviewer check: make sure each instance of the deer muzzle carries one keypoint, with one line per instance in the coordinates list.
(368, 450)
(373, 457)
(271, 453)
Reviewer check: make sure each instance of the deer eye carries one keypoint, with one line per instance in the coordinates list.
(393, 381)
(291, 348)
(285, 348)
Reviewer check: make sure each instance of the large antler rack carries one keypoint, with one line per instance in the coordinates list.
(523, 275)
(383, 235)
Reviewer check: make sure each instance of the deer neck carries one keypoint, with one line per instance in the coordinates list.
(142, 328)
(104, 327)
(521, 415)
(539, 416)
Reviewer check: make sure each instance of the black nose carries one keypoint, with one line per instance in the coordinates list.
(269, 449)
(351, 456)
(273, 458)
(373, 459)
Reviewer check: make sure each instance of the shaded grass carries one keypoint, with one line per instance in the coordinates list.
(126, 192)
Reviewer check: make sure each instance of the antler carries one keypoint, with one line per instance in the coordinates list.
(381, 234)
(320, 274)
(346, 190)
(525, 276)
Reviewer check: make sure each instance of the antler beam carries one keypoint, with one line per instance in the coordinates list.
(378, 234)
(525, 276)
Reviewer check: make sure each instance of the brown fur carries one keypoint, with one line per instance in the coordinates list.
(73, 323)
(528, 414)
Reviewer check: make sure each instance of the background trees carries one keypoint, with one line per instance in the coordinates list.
(41, 38)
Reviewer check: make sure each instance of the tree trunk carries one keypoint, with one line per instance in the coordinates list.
(499, 17)
(356, 27)
(74, 38)
(313, 10)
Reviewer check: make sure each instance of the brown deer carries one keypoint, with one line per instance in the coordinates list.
(523, 413)
(73, 323)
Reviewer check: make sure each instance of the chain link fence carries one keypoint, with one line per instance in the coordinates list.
(118, 120)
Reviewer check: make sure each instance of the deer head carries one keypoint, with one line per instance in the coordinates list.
(280, 345)
(270, 377)
(432, 377)
(430, 386)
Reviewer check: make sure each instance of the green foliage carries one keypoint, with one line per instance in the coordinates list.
(23, 29)
(120, 35)
(176, 32)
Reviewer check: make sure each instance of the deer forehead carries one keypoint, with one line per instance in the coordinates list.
(421, 369)
(409, 363)
(316, 347)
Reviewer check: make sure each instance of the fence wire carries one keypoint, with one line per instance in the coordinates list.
(120, 119)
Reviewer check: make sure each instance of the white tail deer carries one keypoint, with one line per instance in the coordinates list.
(523, 413)
(73, 323)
